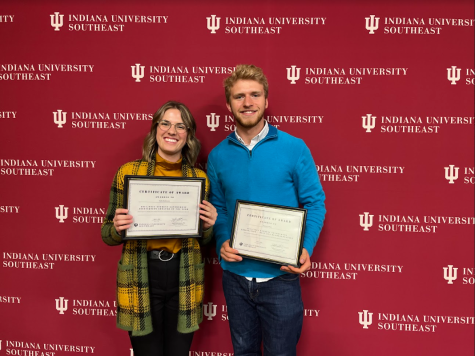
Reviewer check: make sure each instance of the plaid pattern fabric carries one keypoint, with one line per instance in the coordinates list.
(133, 299)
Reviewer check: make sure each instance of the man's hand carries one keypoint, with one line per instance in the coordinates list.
(229, 254)
(304, 261)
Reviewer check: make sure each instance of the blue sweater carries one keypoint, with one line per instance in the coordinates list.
(279, 170)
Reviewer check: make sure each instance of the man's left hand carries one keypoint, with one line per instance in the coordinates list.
(304, 264)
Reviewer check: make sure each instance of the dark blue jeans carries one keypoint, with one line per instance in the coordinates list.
(271, 312)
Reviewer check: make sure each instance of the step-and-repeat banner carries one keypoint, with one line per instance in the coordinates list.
(383, 95)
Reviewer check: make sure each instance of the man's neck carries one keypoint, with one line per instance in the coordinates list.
(247, 134)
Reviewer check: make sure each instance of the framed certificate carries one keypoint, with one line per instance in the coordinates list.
(163, 207)
(270, 233)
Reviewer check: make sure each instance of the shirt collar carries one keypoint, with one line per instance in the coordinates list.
(162, 162)
(256, 138)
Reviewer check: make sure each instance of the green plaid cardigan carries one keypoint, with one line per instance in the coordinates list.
(133, 299)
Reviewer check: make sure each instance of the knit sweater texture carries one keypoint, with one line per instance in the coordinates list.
(133, 297)
(278, 170)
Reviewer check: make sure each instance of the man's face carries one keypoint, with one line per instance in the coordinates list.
(247, 103)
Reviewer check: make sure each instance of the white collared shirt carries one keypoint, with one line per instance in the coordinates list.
(256, 138)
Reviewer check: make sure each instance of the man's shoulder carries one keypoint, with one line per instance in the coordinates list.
(281, 133)
(286, 138)
(220, 146)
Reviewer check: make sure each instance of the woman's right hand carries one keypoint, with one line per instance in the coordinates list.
(122, 220)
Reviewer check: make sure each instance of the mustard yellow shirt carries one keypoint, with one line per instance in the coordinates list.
(166, 169)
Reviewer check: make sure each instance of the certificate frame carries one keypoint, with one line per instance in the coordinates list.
(185, 224)
(283, 227)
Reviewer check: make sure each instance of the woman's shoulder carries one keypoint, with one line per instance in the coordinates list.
(133, 166)
(200, 173)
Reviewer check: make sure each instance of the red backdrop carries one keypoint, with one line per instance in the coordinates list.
(383, 94)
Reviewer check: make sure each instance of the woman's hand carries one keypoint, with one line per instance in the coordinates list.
(122, 220)
(208, 214)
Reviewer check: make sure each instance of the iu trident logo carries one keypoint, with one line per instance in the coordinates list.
(450, 274)
(137, 72)
(365, 318)
(61, 213)
(209, 310)
(369, 122)
(56, 21)
(366, 221)
(293, 74)
(213, 23)
(372, 24)
(61, 305)
(212, 121)
(59, 118)
(453, 74)
(451, 173)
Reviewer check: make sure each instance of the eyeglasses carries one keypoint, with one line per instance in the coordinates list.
(165, 126)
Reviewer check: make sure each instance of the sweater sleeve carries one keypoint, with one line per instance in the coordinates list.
(108, 232)
(217, 198)
(311, 197)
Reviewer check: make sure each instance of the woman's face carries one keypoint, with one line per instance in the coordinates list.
(170, 141)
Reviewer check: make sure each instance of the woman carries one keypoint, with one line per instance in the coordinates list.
(160, 281)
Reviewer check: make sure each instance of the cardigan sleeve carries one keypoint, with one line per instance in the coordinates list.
(108, 232)
(207, 234)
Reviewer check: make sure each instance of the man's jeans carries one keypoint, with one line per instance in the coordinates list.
(271, 312)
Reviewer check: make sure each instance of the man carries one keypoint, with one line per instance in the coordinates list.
(259, 163)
